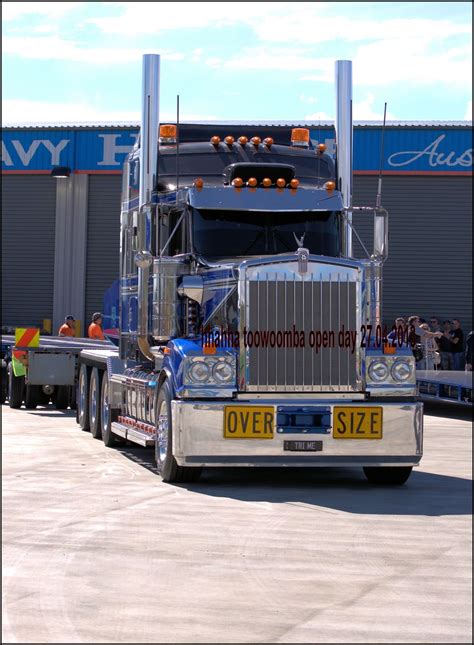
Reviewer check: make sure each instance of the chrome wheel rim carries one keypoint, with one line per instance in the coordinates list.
(105, 405)
(162, 432)
(82, 394)
(93, 399)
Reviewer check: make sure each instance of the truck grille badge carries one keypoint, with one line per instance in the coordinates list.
(302, 255)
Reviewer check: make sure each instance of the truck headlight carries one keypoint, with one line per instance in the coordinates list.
(209, 370)
(199, 372)
(378, 371)
(401, 370)
(223, 372)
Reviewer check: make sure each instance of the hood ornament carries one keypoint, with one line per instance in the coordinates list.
(302, 256)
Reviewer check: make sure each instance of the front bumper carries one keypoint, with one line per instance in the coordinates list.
(198, 438)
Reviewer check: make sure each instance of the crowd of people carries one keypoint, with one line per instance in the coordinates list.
(436, 345)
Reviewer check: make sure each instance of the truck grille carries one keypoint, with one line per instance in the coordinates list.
(289, 310)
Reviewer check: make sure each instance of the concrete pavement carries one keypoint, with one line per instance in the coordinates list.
(96, 548)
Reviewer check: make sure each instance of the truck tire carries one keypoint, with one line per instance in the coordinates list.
(107, 416)
(95, 385)
(83, 398)
(16, 386)
(61, 397)
(32, 396)
(387, 476)
(164, 459)
(4, 384)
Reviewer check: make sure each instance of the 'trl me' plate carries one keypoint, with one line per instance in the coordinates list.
(357, 423)
(248, 422)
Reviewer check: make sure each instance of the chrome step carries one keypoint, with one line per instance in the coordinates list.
(133, 434)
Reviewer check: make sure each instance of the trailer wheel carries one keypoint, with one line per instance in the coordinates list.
(61, 397)
(165, 462)
(83, 398)
(3, 385)
(94, 402)
(16, 386)
(32, 396)
(107, 416)
(387, 476)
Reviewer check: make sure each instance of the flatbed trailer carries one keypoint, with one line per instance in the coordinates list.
(51, 370)
(446, 386)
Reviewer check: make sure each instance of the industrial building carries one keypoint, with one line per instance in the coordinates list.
(60, 236)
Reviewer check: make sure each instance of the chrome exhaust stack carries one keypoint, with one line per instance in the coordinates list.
(344, 139)
(149, 132)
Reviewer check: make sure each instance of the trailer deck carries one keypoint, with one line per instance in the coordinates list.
(455, 387)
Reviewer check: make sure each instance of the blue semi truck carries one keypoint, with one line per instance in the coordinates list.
(248, 333)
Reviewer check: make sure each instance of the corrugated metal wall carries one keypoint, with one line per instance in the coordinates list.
(429, 269)
(103, 239)
(28, 230)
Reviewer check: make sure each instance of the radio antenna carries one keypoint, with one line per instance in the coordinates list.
(378, 200)
(177, 146)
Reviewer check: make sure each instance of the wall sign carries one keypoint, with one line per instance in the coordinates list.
(407, 150)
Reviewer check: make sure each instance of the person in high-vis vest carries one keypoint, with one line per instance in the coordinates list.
(68, 328)
(95, 328)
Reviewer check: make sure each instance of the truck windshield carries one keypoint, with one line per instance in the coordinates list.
(228, 234)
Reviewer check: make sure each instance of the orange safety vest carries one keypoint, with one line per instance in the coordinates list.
(65, 330)
(95, 331)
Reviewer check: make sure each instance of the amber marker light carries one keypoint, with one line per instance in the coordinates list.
(329, 186)
(252, 182)
(256, 141)
(294, 183)
(168, 133)
(243, 141)
(266, 182)
(280, 182)
(215, 140)
(268, 142)
(209, 348)
(321, 148)
(238, 182)
(198, 183)
(300, 137)
(229, 140)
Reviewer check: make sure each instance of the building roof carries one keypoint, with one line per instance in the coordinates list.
(278, 123)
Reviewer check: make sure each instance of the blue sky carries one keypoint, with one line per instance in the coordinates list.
(81, 61)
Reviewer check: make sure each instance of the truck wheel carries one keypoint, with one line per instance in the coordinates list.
(83, 398)
(4, 385)
(94, 403)
(61, 397)
(387, 476)
(165, 462)
(32, 396)
(16, 385)
(107, 416)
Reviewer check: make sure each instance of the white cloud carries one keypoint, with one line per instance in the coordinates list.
(365, 110)
(14, 10)
(468, 115)
(310, 100)
(15, 111)
(282, 22)
(319, 116)
(152, 18)
(56, 48)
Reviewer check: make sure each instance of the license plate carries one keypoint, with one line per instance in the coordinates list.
(303, 446)
(248, 422)
(357, 423)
